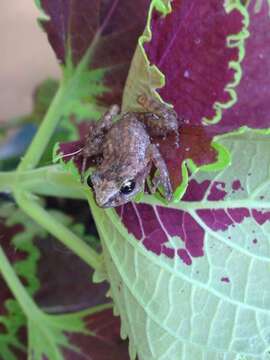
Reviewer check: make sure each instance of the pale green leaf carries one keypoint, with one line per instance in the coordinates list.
(172, 311)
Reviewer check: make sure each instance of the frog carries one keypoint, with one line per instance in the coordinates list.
(126, 152)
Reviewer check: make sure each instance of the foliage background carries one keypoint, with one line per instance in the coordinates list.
(241, 201)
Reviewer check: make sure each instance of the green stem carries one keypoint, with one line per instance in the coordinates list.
(63, 234)
(45, 131)
(7, 181)
(27, 304)
(67, 92)
(49, 181)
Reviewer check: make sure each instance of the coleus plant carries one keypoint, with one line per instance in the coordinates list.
(51, 273)
(189, 278)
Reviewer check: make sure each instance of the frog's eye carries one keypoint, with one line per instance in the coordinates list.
(127, 187)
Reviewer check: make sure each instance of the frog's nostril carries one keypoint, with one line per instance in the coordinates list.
(89, 182)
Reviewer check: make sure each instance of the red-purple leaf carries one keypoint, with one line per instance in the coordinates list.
(58, 272)
(189, 46)
(253, 107)
(155, 226)
(105, 342)
(115, 25)
(7, 233)
(67, 286)
(175, 55)
(195, 144)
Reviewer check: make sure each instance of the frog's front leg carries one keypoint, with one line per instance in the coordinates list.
(95, 137)
(162, 177)
(159, 118)
(105, 123)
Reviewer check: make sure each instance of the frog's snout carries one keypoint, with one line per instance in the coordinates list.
(102, 190)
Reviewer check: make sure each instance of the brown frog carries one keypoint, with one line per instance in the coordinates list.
(126, 153)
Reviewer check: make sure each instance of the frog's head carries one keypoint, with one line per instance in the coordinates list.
(114, 191)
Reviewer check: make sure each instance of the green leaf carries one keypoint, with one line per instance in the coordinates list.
(42, 99)
(92, 333)
(22, 232)
(87, 45)
(47, 337)
(144, 77)
(92, 32)
(17, 235)
(213, 302)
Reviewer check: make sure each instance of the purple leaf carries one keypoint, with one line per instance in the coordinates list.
(189, 47)
(115, 25)
(155, 226)
(195, 38)
(195, 144)
(252, 108)
(66, 287)
(7, 233)
(174, 54)
(58, 273)
(105, 342)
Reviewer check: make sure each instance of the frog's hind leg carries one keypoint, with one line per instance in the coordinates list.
(162, 178)
(152, 105)
(159, 118)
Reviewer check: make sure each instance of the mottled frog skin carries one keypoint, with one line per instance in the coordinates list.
(127, 154)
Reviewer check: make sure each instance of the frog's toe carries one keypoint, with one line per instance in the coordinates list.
(168, 190)
(166, 184)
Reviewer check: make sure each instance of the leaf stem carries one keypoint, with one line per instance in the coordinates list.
(48, 180)
(62, 233)
(28, 306)
(45, 131)
(208, 205)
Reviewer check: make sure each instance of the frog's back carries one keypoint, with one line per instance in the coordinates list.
(127, 138)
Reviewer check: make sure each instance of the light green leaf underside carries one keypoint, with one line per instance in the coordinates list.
(171, 311)
(144, 78)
